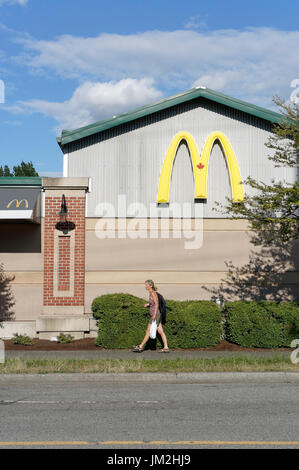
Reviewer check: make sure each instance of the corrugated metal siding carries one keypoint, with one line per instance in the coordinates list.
(127, 160)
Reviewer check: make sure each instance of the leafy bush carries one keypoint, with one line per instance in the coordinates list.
(193, 324)
(7, 300)
(122, 321)
(22, 339)
(65, 338)
(262, 324)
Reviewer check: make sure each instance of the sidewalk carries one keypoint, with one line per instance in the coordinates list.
(129, 355)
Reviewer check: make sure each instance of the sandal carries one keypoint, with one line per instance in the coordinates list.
(137, 349)
(164, 350)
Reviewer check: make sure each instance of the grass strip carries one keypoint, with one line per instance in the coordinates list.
(219, 364)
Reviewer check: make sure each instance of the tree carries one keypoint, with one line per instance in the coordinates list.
(272, 212)
(6, 296)
(25, 169)
(273, 209)
(5, 171)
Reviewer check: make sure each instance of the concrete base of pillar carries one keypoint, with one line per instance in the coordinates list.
(25, 328)
(79, 326)
(75, 334)
(47, 327)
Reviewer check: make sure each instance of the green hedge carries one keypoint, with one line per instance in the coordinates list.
(261, 324)
(122, 321)
(193, 324)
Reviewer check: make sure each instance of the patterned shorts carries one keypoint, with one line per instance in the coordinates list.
(158, 318)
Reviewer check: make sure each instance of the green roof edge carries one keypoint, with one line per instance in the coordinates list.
(20, 181)
(100, 126)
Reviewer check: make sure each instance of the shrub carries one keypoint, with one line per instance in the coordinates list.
(65, 338)
(287, 314)
(193, 324)
(7, 300)
(122, 321)
(262, 324)
(22, 339)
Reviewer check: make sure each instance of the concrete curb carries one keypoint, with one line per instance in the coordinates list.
(157, 378)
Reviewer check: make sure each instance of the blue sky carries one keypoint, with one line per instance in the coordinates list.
(67, 63)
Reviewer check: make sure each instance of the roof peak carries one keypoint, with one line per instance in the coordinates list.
(68, 136)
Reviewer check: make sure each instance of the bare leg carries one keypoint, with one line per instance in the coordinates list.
(163, 336)
(146, 337)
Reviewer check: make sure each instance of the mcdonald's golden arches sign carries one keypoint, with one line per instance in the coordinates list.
(200, 166)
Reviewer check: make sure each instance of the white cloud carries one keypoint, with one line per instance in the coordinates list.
(196, 22)
(252, 64)
(219, 80)
(92, 102)
(13, 2)
(295, 93)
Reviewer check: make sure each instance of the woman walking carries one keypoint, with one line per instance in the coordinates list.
(155, 314)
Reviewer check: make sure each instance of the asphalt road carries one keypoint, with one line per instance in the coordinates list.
(52, 412)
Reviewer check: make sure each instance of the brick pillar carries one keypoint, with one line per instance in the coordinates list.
(64, 259)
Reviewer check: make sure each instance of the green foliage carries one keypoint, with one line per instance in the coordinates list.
(262, 324)
(193, 324)
(273, 208)
(122, 321)
(5, 171)
(7, 300)
(65, 338)
(22, 339)
(24, 169)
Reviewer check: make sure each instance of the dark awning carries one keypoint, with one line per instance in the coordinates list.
(17, 203)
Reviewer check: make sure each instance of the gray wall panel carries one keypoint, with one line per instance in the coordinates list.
(128, 159)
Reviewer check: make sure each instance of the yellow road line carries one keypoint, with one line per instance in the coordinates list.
(121, 443)
(147, 443)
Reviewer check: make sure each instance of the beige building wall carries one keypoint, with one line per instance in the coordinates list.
(123, 264)
(221, 240)
(21, 255)
(119, 263)
(28, 298)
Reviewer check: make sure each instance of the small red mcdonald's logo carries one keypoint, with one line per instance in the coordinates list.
(200, 166)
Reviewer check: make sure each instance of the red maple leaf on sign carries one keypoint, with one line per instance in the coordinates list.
(200, 166)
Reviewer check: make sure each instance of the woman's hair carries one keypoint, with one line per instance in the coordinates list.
(152, 284)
